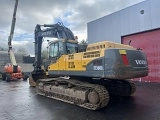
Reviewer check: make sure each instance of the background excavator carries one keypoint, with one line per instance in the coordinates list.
(95, 71)
(12, 71)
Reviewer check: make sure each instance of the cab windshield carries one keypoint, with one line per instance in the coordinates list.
(71, 48)
(57, 49)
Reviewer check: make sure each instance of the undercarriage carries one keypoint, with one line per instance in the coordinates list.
(92, 94)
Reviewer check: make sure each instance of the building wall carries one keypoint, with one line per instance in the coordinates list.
(26, 67)
(124, 22)
(4, 59)
(149, 42)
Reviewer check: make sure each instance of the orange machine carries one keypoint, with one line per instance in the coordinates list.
(12, 71)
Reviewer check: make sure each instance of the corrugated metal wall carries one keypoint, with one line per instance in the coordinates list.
(149, 42)
(124, 22)
(26, 67)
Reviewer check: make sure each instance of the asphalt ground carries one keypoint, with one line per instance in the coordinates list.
(18, 101)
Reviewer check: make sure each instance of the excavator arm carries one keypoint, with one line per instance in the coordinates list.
(53, 31)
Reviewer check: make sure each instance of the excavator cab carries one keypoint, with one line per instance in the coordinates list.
(58, 48)
(61, 47)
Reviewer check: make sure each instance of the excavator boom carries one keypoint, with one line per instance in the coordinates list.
(11, 53)
(12, 71)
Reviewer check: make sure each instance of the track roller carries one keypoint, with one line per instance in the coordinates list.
(86, 95)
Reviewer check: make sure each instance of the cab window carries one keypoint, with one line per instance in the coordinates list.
(53, 50)
(61, 48)
(71, 48)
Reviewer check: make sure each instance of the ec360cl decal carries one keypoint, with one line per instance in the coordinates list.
(98, 68)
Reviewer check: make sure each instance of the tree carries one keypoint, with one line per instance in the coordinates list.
(3, 49)
(83, 42)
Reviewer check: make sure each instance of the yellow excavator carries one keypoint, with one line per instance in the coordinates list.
(95, 71)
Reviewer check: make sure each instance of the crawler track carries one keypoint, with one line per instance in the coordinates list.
(124, 88)
(117, 87)
(86, 95)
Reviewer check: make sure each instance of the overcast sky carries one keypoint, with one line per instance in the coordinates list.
(74, 14)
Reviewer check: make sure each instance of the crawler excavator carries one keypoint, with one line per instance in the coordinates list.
(95, 71)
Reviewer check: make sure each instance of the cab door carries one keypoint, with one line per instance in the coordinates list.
(53, 56)
(62, 57)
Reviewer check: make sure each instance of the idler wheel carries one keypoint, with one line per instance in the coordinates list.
(93, 97)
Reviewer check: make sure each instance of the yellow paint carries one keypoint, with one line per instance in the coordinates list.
(61, 63)
(74, 62)
(122, 52)
(105, 45)
(78, 61)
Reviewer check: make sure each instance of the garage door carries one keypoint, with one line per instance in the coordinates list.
(149, 42)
